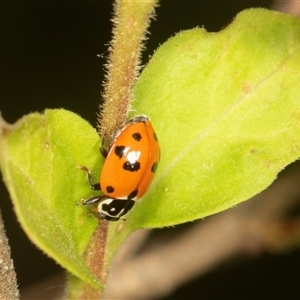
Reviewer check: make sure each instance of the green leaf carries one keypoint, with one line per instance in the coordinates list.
(38, 161)
(226, 110)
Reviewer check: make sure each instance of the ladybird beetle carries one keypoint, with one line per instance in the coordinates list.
(128, 169)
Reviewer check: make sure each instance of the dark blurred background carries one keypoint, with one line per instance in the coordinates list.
(48, 59)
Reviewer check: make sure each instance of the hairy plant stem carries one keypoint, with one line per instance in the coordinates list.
(131, 20)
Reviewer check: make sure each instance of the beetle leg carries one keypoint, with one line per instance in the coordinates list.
(94, 186)
(92, 200)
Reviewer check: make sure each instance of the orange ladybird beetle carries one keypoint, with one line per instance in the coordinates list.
(128, 169)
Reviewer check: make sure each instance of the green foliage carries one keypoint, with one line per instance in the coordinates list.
(226, 110)
(38, 163)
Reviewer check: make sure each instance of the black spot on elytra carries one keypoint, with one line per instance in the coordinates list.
(119, 151)
(137, 136)
(132, 167)
(110, 189)
(132, 195)
(154, 167)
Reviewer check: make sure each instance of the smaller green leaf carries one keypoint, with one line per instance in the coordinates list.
(38, 161)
